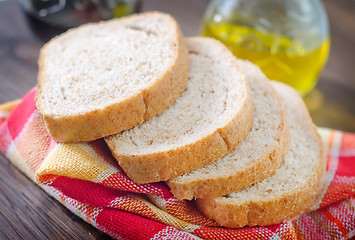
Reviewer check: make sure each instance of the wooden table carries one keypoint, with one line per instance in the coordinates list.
(29, 213)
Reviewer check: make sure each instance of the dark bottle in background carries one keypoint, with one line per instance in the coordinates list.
(48, 18)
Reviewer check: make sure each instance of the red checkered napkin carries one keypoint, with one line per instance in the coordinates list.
(86, 179)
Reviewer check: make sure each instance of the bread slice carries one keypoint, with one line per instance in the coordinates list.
(291, 190)
(259, 155)
(210, 118)
(102, 78)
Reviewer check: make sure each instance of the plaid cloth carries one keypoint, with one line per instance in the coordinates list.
(86, 179)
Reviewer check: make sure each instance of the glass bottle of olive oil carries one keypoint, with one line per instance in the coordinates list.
(288, 39)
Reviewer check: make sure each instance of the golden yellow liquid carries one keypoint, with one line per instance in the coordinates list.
(279, 57)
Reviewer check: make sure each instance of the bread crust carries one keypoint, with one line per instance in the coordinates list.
(122, 115)
(257, 170)
(161, 166)
(164, 165)
(274, 209)
(219, 186)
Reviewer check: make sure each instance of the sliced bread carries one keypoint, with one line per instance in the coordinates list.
(259, 155)
(291, 190)
(102, 78)
(210, 118)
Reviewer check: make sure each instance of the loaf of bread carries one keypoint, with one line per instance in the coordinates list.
(102, 78)
(182, 111)
(258, 156)
(291, 190)
(210, 118)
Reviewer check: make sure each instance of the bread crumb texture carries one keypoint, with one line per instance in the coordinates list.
(259, 155)
(291, 190)
(111, 74)
(199, 127)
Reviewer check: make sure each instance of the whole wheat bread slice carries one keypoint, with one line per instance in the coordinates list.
(291, 190)
(259, 155)
(210, 118)
(102, 78)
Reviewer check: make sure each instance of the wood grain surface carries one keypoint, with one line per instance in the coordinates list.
(26, 212)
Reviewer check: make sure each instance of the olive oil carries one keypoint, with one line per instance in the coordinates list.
(279, 57)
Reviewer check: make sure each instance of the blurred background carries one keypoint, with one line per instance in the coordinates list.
(290, 39)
